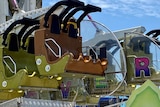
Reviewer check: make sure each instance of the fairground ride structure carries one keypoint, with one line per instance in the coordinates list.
(51, 58)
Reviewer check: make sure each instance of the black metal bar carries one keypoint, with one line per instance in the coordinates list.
(24, 21)
(69, 3)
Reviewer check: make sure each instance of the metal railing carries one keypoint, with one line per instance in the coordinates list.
(10, 103)
(49, 47)
(13, 62)
(27, 102)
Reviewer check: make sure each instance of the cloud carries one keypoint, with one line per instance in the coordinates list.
(136, 8)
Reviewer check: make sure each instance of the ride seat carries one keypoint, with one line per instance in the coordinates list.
(55, 24)
(72, 29)
(103, 53)
(30, 47)
(13, 44)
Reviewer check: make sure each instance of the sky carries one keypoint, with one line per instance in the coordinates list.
(123, 14)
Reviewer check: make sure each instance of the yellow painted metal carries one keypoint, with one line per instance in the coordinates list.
(57, 67)
(21, 78)
(6, 95)
(148, 95)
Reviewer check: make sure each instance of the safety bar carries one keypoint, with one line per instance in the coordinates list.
(28, 33)
(153, 33)
(69, 3)
(23, 30)
(8, 57)
(25, 21)
(59, 48)
(87, 9)
(66, 19)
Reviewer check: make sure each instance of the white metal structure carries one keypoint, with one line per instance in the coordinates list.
(26, 5)
(26, 102)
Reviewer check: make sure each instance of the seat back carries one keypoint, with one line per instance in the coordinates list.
(30, 47)
(72, 29)
(13, 44)
(55, 24)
